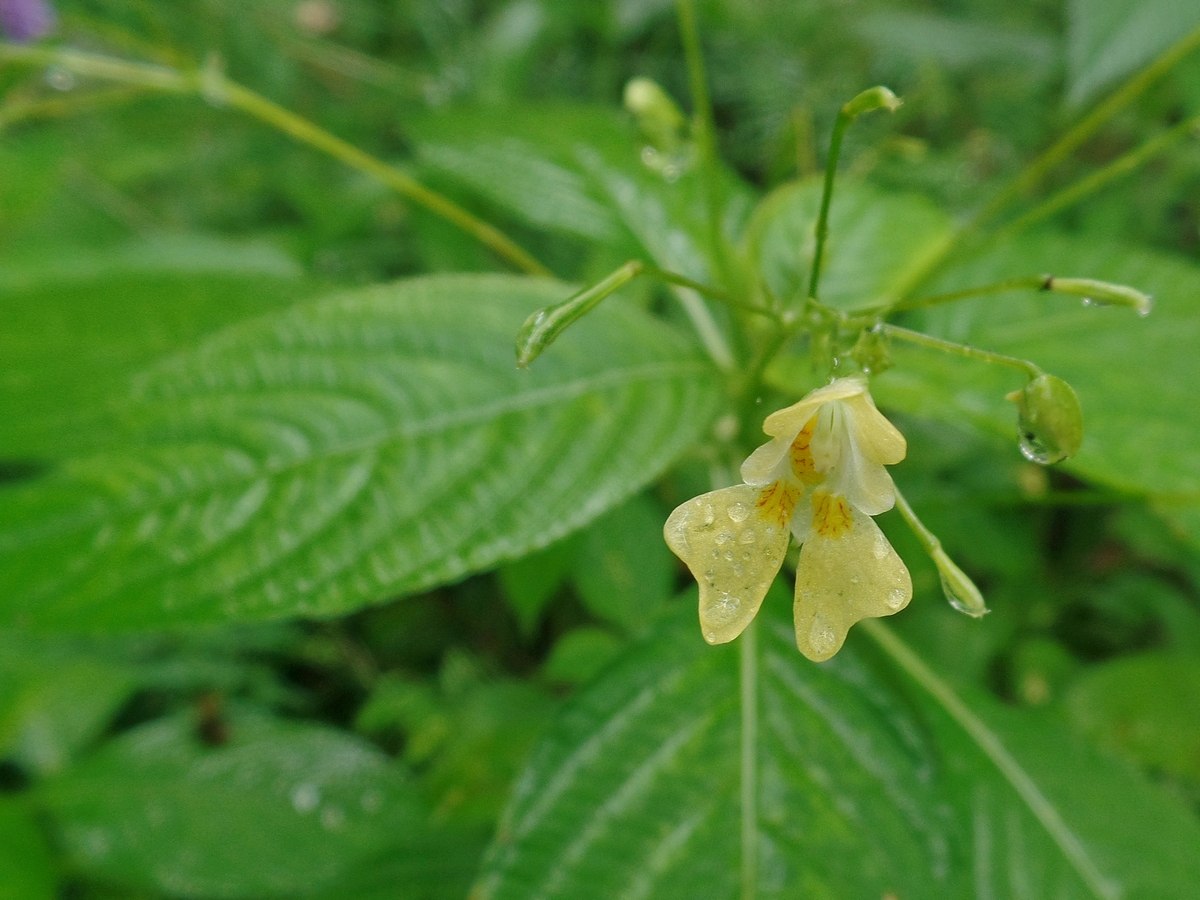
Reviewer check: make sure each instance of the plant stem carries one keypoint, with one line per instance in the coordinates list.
(1118, 168)
(705, 130)
(956, 349)
(213, 86)
(835, 150)
(873, 98)
(748, 683)
(1037, 169)
(1033, 173)
(1025, 282)
(993, 748)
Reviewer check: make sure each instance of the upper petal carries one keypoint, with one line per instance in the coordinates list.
(843, 579)
(764, 464)
(877, 438)
(791, 419)
(734, 551)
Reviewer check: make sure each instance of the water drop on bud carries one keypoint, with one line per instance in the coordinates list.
(1049, 419)
(959, 589)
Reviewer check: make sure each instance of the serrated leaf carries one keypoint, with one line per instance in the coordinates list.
(877, 242)
(1108, 39)
(349, 450)
(276, 812)
(870, 784)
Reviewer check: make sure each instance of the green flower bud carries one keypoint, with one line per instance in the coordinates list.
(1049, 419)
(658, 116)
(872, 99)
(959, 589)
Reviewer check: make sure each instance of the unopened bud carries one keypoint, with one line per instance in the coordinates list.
(960, 590)
(658, 116)
(1049, 419)
(872, 99)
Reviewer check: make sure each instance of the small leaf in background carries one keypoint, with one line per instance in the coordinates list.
(55, 698)
(1109, 39)
(27, 866)
(277, 811)
(872, 782)
(1147, 708)
(531, 582)
(622, 569)
(465, 736)
(344, 451)
(579, 655)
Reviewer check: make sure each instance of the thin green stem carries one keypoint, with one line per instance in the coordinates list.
(748, 695)
(835, 150)
(1025, 282)
(1037, 169)
(877, 97)
(213, 86)
(956, 349)
(705, 130)
(993, 748)
(1092, 183)
(958, 587)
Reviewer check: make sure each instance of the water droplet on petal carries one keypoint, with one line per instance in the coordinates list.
(821, 636)
(896, 598)
(738, 512)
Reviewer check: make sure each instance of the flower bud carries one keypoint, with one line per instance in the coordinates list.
(659, 118)
(959, 589)
(1049, 419)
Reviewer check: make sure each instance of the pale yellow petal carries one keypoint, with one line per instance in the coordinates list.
(878, 439)
(844, 578)
(768, 462)
(734, 547)
(791, 419)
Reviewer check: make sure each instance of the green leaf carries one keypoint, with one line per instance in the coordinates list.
(1147, 707)
(55, 698)
(345, 451)
(579, 171)
(877, 242)
(624, 573)
(78, 322)
(1136, 377)
(277, 811)
(25, 856)
(874, 779)
(524, 160)
(1109, 39)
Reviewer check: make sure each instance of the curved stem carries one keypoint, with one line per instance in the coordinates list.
(1090, 184)
(213, 86)
(956, 349)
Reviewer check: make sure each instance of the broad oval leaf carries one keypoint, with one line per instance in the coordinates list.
(870, 784)
(349, 450)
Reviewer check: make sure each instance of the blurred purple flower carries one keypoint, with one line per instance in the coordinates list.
(25, 20)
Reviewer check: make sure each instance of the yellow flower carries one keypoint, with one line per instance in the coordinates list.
(820, 478)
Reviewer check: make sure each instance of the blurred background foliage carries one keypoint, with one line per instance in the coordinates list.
(379, 748)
